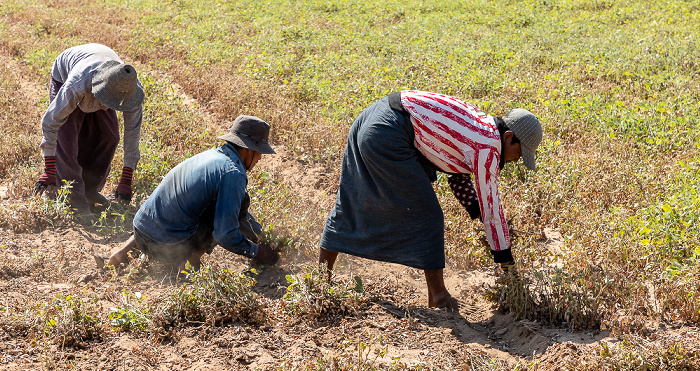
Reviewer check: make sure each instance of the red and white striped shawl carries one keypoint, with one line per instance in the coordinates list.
(458, 137)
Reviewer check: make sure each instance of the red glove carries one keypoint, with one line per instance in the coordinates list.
(124, 192)
(49, 176)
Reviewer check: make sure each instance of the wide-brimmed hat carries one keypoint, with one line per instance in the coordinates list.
(250, 132)
(528, 130)
(116, 86)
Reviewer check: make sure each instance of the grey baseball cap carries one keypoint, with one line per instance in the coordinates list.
(116, 86)
(527, 128)
(250, 132)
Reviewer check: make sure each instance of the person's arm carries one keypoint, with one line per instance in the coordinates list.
(247, 223)
(463, 190)
(251, 228)
(65, 102)
(226, 218)
(495, 226)
(132, 135)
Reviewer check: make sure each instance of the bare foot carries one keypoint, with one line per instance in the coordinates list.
(443, 300)
(438, 296)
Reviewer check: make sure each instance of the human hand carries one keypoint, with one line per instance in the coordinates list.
(123, 196)
(509, 268)
(266, 255)
(39, 188)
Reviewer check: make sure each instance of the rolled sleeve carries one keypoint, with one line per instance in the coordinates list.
(486, 179)
(226, 224)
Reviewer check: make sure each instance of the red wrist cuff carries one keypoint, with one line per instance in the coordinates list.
(127, 177)
(49, 175)
(50, 164)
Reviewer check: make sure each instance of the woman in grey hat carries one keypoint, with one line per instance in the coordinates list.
(202, 202)
(386, 208)
(81, 132)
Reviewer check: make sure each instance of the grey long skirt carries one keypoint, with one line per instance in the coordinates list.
(386, 208)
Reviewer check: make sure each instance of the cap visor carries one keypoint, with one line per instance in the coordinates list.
(529, 158)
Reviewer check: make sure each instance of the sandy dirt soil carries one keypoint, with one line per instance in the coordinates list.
(63, 264)
(60, 261)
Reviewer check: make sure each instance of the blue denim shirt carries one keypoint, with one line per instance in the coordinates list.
(172, 212)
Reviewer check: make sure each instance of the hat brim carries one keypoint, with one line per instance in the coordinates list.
(263, 148)
(129, 102)
(528, 158)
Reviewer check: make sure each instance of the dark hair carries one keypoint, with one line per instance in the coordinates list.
(502, 128)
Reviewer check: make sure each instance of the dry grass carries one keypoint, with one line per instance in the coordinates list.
(19, 117)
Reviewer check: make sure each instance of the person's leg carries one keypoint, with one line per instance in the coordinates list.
(203, 238)
(195, 259)
(98, 142)
(438, 296)
(67, 166)
(121, 254)
(386, 208)
(328, 257)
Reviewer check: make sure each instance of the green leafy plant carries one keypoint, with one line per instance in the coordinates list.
(214, 295)
(70, 321)
(33, 216)
(311, 294)
(113, 220)
(58, 206)
(132, 314)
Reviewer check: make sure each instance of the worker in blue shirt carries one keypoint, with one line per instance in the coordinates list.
(203, 202)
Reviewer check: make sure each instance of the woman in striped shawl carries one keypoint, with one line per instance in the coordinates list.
(386, 208)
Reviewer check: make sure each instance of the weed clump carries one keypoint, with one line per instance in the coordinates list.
(638, 353)
(28, 217)
(679, 291)
(552, 296)
(359, 354)
(69, 321)
(311, 294)
(214, 295)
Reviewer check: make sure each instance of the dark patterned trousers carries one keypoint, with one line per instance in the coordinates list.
(84, 152)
